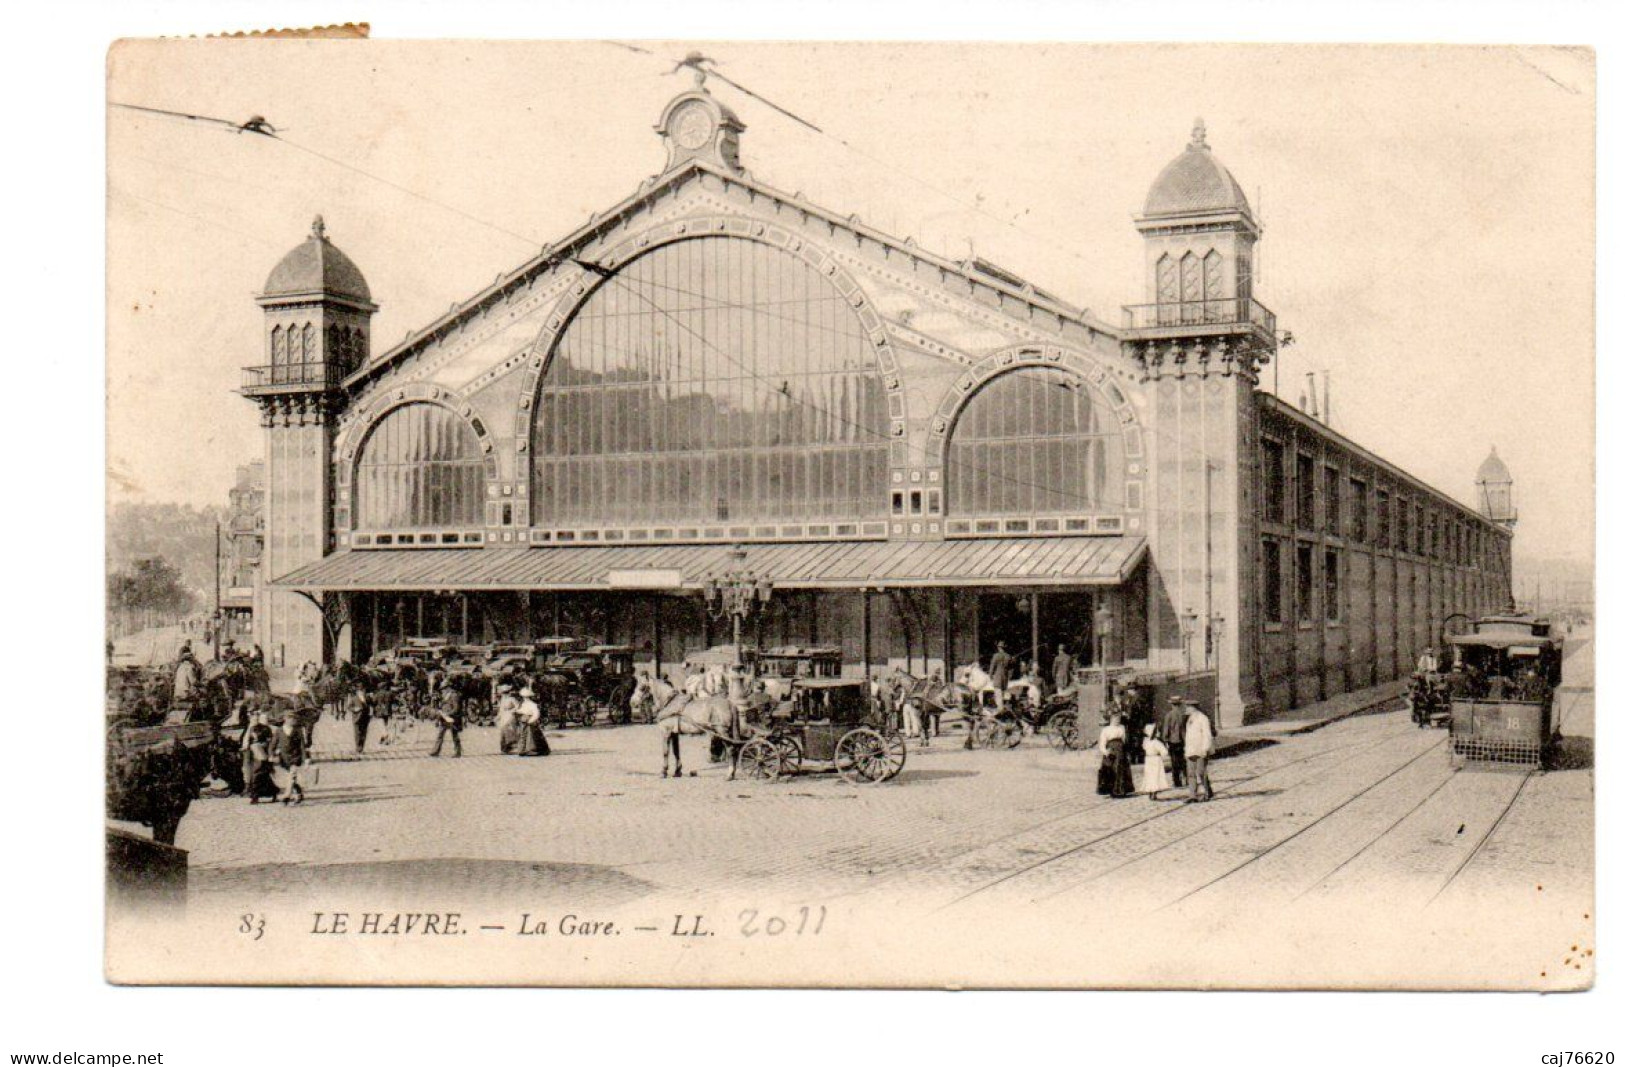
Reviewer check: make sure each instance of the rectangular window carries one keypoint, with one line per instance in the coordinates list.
(1272, 580)
(1357, 510)
(1402, 537)
(897, 502)
(1334, 502)
(1334, 603)
(1306, 492)
(1306, 582)
(1274, 482)
(1384, 534)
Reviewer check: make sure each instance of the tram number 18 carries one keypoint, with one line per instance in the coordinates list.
(799, 923)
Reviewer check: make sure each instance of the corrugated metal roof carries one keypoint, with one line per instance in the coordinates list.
(819, 564)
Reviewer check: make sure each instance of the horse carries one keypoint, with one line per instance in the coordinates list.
(978, 682)
(676, 714)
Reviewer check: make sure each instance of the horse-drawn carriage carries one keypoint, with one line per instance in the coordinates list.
(1502, 685)
(576, 686)
(825, 720)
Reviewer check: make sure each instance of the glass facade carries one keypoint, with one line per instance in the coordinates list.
(420, 466)
(1034, 440)
(714, 379)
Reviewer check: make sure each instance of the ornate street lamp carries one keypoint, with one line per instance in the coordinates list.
(736, 593)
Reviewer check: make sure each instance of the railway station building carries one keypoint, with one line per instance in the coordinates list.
(914, 458)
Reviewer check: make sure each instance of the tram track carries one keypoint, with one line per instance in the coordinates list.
(1229, 790)
(1453, 776)
(1479, 847)
(957, 831)
(1318, 820)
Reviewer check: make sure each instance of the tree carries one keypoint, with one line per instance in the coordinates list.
(151, 586)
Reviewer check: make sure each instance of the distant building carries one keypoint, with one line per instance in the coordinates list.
(925, 457)
(242, 550)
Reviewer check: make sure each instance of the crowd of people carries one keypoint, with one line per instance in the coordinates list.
(1176, 748)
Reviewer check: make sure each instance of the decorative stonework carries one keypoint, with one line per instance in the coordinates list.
(1198, 359)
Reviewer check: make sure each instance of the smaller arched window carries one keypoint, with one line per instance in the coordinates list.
(421, 465)
(1034, 440)
(311, 354)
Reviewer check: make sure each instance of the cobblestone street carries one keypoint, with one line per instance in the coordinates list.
(1363, 817)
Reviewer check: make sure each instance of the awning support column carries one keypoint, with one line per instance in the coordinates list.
(866, 645)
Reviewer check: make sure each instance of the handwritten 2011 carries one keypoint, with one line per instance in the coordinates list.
(803, 922)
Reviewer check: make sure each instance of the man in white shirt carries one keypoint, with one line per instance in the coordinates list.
(1198, 749)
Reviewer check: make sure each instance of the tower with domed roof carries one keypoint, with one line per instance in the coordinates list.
(317, 322)
(1199, 337)
(1494, 484)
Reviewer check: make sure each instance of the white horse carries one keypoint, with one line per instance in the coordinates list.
(979, 682)
(676, 713)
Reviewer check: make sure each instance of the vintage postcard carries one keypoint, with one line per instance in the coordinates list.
(650, 513)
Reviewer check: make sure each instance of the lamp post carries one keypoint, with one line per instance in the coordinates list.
(1103, 627)
(736, 593)
(1188, 630)
(1216, 629)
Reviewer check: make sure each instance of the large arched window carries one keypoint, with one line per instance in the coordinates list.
(710, 380)
(421, 465)
(1032, 441)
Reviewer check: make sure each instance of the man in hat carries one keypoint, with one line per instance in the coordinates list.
(449, 711)
(998, 669)
(188, 676)
(1198, 749)
(1061, 669)
(1171, 728)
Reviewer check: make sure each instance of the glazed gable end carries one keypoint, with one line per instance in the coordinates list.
(940, 329)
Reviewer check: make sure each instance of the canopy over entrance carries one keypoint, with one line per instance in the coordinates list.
(1036, 561)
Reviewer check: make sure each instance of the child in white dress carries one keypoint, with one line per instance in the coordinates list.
(1155, 776)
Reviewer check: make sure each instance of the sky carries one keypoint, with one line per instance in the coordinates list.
(1428, 212)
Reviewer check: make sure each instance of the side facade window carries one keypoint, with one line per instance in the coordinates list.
(1272, 581)
(1306, 492)
(1306, 582)
(1333, 587)
(1274, 463)
(1358, 502)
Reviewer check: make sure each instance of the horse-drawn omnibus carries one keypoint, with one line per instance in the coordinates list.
(1502, 684)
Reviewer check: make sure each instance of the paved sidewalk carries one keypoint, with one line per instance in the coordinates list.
(1312, 717)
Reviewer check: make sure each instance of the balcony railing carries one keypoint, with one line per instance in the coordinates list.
(293, 376)
(1236, 311)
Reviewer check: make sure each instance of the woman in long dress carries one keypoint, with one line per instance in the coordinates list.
(532, 742)
(1156, 763)
(1114, 779)
(507, 720)
(258, 783)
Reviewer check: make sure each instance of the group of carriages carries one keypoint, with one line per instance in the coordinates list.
(573, 682)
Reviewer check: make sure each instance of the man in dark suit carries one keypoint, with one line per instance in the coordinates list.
(449, 712)
(1171, 727)
(1061, 669)
(998, 668)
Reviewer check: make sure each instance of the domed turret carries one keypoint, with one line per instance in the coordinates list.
(1195, 183)
(1494, 483)
(318, 268)
(317, 314)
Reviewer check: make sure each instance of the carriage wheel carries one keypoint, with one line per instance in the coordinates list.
(1010, 733)
(890, 762)
(1063, 730)
(760, 759)
(860, 756)
(789, 756)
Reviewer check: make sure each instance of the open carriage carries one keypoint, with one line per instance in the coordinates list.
(825, 720)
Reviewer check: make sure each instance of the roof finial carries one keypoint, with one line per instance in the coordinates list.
(318, 228)
(1199, 134)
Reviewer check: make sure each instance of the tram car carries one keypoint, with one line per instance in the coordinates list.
(831, 721)
(1502, 683)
